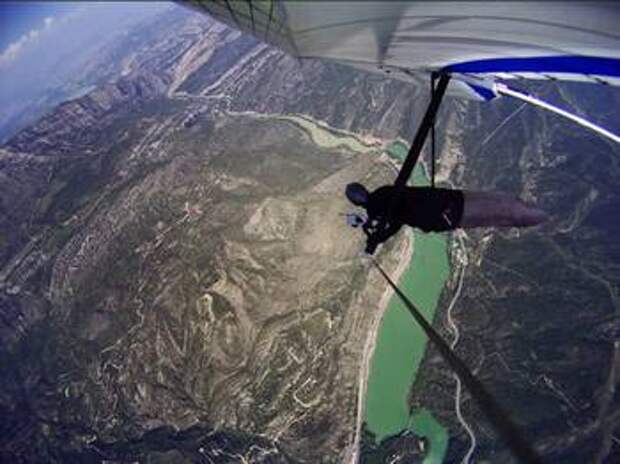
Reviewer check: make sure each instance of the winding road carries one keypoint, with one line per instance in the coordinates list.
(462, 263)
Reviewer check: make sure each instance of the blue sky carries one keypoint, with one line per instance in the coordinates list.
(17, 19)
(43, 45)
(21, 24)
(26, 26)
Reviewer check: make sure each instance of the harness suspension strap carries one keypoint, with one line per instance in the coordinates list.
(414, 154)
(420, 136)
(489, 406)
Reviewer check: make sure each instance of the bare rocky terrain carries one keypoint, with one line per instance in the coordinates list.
(537, 310)
(176, 282)
(174, 271)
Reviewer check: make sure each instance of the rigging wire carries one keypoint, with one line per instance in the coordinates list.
(232, 13)
(270, 19)
(433, 77)
(505, 90)
(489, 406)
(252, 16)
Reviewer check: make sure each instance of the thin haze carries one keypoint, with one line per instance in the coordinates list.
(43, 46)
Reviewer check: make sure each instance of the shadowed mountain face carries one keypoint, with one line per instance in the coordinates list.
(538, 310)
(173, 263)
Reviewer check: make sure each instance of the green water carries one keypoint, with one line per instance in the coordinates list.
(401, 342)
(423, 423)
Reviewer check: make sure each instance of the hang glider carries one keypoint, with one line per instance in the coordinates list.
(467, 49)
(481, 45)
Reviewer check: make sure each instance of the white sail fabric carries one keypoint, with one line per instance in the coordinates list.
(481, 41)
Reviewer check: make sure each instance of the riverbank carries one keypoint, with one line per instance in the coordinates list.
(371, 340)
(325, 136)
(401, 343)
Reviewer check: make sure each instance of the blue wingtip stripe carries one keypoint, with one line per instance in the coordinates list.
(585, 65)
(483, 92)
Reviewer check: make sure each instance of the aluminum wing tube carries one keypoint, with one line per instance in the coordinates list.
(560, 40)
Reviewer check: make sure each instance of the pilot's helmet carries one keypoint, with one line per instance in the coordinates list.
(357, 194)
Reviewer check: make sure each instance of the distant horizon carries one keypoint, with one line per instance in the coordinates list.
(18, 19)
(23, 23)
(43, 45)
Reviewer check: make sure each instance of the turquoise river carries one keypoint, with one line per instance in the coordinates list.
(401, 342)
